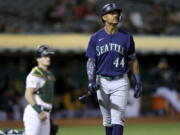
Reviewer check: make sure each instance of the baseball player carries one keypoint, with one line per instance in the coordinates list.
(111, 56)
(39, 94)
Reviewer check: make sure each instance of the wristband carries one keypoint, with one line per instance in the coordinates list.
(37, 108)
(137, 78)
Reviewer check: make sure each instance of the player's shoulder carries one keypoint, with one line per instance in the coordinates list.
(37, 72)
(98, 33)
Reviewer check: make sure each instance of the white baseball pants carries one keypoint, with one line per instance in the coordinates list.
(33, 125)
(112, 98)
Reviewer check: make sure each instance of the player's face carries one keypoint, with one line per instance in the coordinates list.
(112, 18)
(44, 61)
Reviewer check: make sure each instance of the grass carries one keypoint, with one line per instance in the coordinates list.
(130, 129)
(153, 129)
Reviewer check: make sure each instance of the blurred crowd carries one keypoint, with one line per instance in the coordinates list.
(157, 17)
(161, 87)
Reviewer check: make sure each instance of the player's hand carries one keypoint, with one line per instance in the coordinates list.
(42, 116)
(92, 87)
(137, 90)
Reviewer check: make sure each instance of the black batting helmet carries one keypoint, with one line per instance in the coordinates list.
(110, 7)
(43, 50)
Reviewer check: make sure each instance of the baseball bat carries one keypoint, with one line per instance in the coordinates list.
(85, 96)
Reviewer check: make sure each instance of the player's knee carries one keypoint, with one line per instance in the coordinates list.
(118, 119)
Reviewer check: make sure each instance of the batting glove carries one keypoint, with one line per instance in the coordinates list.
(91, 87)
(137, 90)
(138, 86)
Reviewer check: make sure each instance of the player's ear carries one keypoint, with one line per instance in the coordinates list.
(104, 18)
(37, 60)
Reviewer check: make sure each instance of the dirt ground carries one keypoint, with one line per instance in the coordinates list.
(94, 121)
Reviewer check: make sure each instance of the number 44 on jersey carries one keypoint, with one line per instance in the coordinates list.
(117, 62)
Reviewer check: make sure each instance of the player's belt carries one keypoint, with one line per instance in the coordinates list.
(110, 78)
(45, 109)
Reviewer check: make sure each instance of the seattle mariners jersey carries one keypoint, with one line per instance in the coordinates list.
(112, 52)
